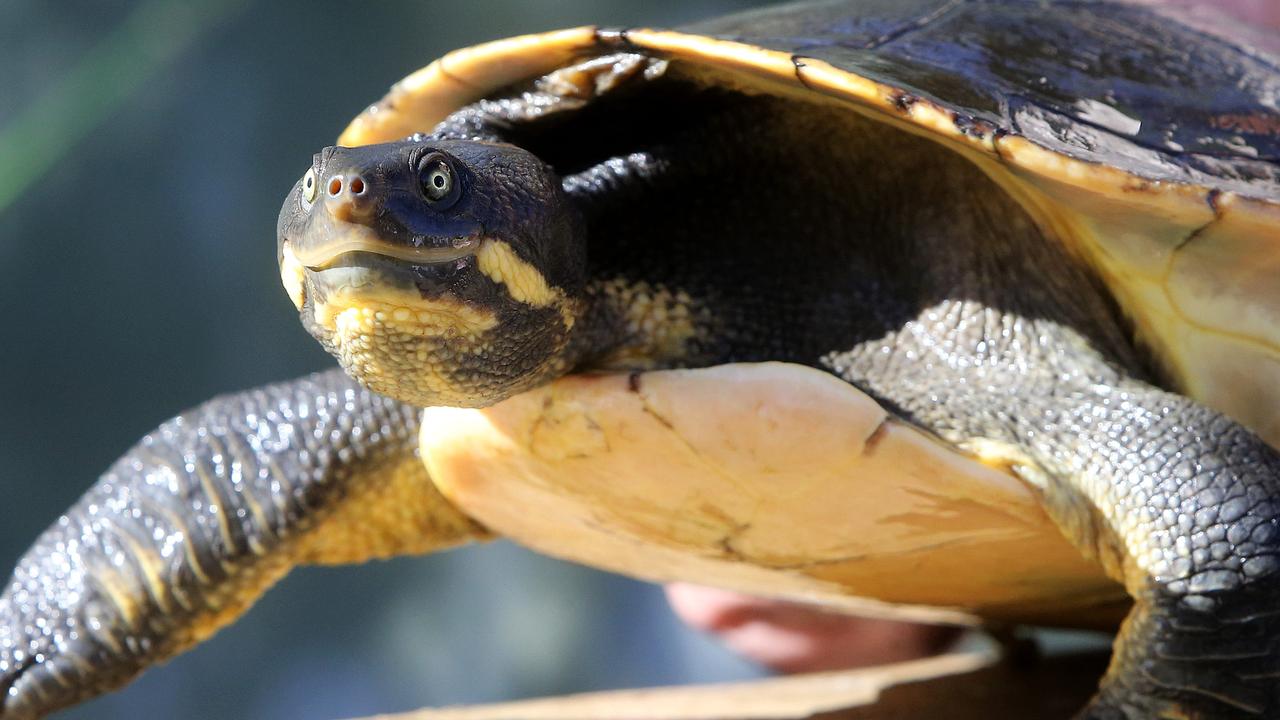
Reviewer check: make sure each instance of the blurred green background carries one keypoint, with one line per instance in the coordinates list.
(145, 148)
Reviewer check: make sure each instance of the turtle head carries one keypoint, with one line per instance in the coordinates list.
(437, 272)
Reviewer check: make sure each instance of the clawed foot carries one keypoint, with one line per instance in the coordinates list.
(55, 646)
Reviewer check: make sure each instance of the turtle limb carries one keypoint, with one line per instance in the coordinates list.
(187, 529)
(1176, 501)
(1181, 503)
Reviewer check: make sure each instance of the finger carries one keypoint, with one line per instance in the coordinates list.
(793, 637)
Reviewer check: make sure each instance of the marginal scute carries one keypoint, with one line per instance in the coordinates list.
(424, 98)
(1230, 351)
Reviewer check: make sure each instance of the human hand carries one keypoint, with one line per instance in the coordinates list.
(793, 637)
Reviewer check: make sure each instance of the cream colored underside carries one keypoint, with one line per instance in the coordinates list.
(774, 479)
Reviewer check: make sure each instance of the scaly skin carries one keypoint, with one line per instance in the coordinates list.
(185, 531)
(690, 227)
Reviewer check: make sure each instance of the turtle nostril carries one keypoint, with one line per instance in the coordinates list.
(335, 185)
(357, 186)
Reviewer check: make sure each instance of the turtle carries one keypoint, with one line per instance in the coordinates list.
(944, 303)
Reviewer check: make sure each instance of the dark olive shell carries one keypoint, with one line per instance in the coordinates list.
(1110, 83)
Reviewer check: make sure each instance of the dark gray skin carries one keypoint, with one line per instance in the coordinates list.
(291, 449)
(799, 233)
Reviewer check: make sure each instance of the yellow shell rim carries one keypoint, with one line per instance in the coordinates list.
(464, 76)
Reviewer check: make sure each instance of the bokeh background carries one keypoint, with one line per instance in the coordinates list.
(145, 147)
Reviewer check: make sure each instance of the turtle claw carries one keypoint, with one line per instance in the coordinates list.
(24, 692)
(26, 684)
(37, 678)
(52, 630)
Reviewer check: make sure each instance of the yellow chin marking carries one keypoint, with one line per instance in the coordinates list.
(406, 350)
(293, 276)
(524, 282)
(374, 317)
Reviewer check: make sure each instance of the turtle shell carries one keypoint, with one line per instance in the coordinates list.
(1150, 147)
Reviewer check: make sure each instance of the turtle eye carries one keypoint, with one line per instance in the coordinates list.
(309, 187)
(438, 182)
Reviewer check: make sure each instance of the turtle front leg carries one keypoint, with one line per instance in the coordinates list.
(186, 530)
(1184, 505)
(1178, 502)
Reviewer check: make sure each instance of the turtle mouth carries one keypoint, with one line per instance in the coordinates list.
(361, 272)
(344, 260)
(387, 274)
(356, 251)
(361, 265)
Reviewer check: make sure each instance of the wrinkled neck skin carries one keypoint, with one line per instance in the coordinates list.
(695, 227)
(730, 228)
